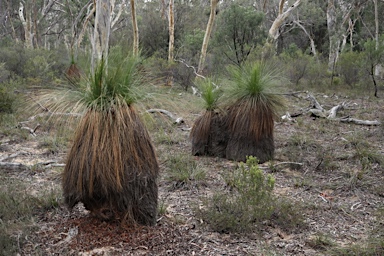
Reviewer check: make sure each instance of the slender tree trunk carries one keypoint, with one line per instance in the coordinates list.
(135, 29)
(90, 14)
(207, 36)
(25, 21)
(119, 12)
(334, 41)
(377, 30)
(14, 36)
(34, 25)
(101, 32)
(171, 27)
(311, 40)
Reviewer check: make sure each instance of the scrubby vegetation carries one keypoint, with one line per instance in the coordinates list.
(324, 172)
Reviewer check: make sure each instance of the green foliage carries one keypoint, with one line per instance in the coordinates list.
(239, 32)
(210, 94)
(37, 64)
(250, 202)
(374, 56)
(350, 66)
(7, 99)
(258, 83)
(191, 46)
(317, 76)
(250, 180)
(154, 35)
(111, 85)
(296, 64)
(4, 73)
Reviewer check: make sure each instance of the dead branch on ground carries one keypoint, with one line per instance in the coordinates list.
(176, 120)
(317, 110)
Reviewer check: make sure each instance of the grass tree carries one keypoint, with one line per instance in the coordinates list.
(207, 135)
(252, 111)
(111, 167)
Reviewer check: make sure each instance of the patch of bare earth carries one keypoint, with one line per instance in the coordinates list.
(317, 167)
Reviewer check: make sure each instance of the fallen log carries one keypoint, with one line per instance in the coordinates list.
(358, 121)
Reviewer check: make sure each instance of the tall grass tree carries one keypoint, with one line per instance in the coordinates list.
(253, 108)
(112, 167)
(207, 135)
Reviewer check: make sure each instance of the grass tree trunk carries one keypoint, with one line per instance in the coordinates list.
(207, 35)
(251, 132)
(112, 167)
(209, 135)
(135, 29)
(250, 118)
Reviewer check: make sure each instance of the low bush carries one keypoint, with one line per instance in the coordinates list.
(248, 203)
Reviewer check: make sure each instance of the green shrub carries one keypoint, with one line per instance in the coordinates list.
(39, 64)
(296, 64)
(6, 100)
(350, 67)
(250, 202)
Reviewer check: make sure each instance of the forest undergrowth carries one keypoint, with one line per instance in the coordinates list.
(327, 188)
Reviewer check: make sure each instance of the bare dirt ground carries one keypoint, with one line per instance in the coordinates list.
(331, 171)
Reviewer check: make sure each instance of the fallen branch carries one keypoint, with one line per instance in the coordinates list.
(176, 120)
(49, 113)
(11, 156)
(358, 121)
(318, 111)
(44, 165)
(31, 131)
(281, 163)
(11, 165)
(314, 102)
(334, 110)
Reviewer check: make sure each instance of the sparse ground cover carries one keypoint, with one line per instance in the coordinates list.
(328, 185)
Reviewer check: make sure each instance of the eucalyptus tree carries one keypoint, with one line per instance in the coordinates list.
(207, 35)
(134, 28)
(171, 29)
(154, 34)
(285, 9)
(341, 23)
(238, 33)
